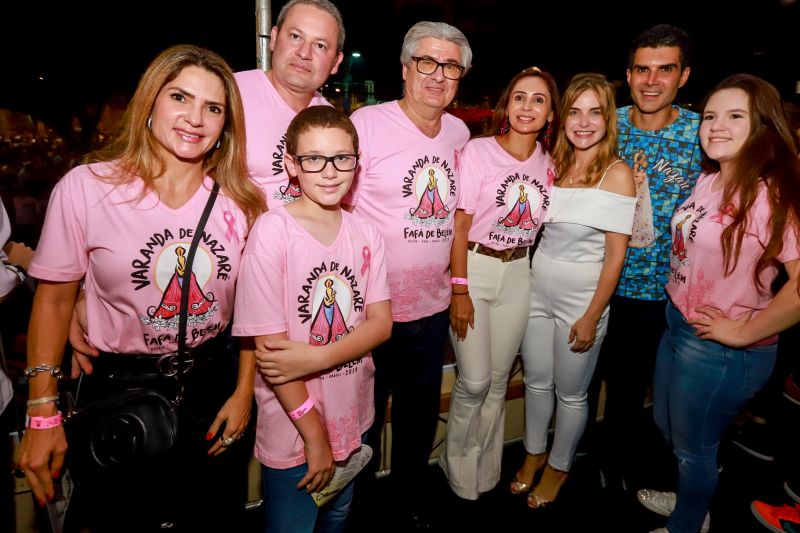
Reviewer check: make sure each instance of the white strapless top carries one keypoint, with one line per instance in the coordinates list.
(577, 220)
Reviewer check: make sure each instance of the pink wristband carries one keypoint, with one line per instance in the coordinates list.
(458, 281)
(302, 410)
(43, 422)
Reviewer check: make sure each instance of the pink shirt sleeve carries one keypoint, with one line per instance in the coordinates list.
(791, 245)
(62, 254)
(261, 289)
(471, 173)
(378, 280)
(351, 198)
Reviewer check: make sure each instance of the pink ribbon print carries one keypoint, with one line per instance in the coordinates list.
(367, 256)
(230, 234)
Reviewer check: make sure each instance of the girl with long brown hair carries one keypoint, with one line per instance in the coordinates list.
(723, 318)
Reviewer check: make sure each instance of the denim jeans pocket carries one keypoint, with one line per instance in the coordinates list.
(758, 364)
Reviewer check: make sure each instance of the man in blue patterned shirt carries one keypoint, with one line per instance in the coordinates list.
(659, 142)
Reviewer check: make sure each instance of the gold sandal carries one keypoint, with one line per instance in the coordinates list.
(520, 487)
(537, 502)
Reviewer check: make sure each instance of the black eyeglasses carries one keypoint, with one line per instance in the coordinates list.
(316, 163)
(426, 65)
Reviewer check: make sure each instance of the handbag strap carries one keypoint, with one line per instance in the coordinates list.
(183, 354)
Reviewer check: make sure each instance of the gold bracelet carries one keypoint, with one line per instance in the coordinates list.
(40, 401)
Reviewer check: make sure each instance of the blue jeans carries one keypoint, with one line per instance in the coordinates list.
(699, 386)
(292, 510)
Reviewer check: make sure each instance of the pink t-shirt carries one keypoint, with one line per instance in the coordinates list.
(130, 252)
(267, 116)
(289, 282)
(507, 198)
(407, 186)
(697, 271)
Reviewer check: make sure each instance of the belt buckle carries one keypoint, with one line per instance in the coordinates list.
(171, 364)
(507, 254)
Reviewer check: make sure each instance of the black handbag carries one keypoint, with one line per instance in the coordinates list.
(129, 426)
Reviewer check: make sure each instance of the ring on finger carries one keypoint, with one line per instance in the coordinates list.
(227, 442)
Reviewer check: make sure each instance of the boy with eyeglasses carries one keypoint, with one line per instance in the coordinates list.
(312, 290)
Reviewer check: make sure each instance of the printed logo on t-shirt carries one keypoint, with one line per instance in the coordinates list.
(162, 264)
(684, 229)
(429, 183)
(642, 234)
(289, 192)
(527, 197)
(330, 294)
(277, 156)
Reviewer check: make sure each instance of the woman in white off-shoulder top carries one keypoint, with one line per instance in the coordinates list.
(573, 274)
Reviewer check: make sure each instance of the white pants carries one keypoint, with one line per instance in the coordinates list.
(560, 294)
(473, 449)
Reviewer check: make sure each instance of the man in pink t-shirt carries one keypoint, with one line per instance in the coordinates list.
(408, 187)
(306, 47)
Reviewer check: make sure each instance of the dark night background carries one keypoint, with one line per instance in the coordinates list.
(62, 59)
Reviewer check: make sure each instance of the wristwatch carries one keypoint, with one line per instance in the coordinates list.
(18, 270)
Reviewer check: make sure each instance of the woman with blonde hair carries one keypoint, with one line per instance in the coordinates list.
(573, 274)
(174, 179)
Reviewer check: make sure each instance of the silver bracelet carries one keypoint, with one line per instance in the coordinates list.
(54, 371)
(40, 401)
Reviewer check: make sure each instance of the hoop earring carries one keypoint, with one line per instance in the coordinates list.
(149, 122)
(505, 127)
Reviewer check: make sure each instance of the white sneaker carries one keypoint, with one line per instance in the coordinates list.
(663, 503)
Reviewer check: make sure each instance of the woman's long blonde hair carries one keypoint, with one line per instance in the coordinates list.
(134, 150)
(564, 152)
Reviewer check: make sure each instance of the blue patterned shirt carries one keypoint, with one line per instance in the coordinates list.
(668, 162)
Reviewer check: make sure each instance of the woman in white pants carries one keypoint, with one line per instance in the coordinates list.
(505, 190)
(573, 274)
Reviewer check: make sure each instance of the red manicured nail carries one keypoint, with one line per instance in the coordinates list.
(41, 503)
(57, 474)
(209, 436)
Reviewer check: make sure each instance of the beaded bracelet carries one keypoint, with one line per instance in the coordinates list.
(40, 401)
(54, 371)
(302, 410)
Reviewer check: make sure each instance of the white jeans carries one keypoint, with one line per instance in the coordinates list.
(473, 448)
(560, 294)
